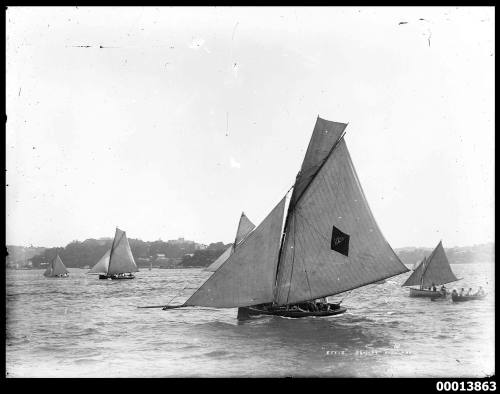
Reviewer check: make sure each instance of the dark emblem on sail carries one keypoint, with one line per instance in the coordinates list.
(340, 241)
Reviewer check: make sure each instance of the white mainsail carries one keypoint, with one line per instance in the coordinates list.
(56, 267)
(435, 270)
(245, 227)
(121, 259)
(247, 276)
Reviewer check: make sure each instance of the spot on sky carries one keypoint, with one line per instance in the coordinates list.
(233, 163)
(197, 43)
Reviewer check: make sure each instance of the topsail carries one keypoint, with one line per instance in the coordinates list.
(245, 226)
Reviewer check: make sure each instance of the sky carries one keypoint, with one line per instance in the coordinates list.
(169, 122)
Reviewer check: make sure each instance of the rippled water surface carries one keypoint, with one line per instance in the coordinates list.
(84, 327)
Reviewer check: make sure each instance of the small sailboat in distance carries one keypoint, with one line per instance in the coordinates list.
(56, 269)
(245, 227)
(328, 243)
(434, 270)
(118, 262)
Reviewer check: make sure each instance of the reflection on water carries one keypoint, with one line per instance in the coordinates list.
(82, 326)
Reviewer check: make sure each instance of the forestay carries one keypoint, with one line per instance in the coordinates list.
(121, 259)
(245, 226)
(324, 137)
(247, 276)
(220, 260)
(332, 242)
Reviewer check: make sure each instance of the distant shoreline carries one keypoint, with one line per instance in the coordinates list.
(187, 254)
(203, 267)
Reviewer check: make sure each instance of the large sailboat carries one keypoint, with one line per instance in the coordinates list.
(118, 262)
(56, 269)
(245, 227)
(328, 243)
(432, 271)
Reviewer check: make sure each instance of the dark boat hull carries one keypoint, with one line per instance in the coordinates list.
(116, 277)
(459, 298)
(426, 293)
(57, 276)
(247, 312)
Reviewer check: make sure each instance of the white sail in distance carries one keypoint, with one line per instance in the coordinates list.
(245, 227)
(434, 270)
(121, 259)
(56, 267)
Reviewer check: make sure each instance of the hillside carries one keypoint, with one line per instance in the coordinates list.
(189, 254)
(482, 253)
(80, 254)
(20, 256)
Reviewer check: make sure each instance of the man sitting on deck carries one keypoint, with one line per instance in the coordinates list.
(321, 304)
(480, 291)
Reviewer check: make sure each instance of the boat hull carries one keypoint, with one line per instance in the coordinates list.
(113, 277)
(247, 312)
(426, 293)
(57, 276)
(459, 298)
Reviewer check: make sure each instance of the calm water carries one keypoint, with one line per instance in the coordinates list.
(85, 327)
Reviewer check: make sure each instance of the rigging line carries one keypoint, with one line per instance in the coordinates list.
(293, 260)
(177, 295)
(217, 272)
(321, 165)
(426, 265)
(282, 244)
(311, 225)
(307, 277)
(344, 297)
(112, 249)
(237, 231)
(283, 240)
